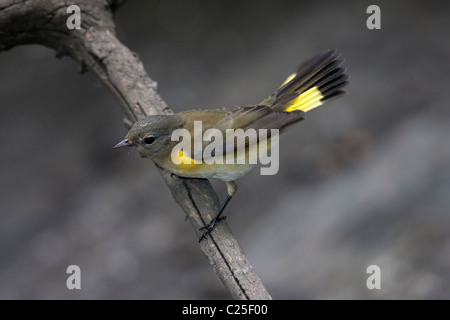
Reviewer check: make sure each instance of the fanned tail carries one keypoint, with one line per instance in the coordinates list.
(317, 80)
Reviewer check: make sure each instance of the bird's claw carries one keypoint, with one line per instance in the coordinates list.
(210, 227)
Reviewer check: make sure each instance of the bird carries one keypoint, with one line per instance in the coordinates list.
(317, 80)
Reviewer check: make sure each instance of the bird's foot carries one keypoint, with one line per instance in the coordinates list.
(210, 227)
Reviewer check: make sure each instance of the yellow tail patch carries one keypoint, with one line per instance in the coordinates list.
(292, 76)
(307, 101)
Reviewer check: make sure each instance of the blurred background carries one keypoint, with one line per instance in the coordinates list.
(364, 180)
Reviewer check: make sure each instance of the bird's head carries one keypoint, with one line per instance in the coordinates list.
(152, 136)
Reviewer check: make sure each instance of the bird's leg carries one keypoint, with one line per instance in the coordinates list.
(231, 188)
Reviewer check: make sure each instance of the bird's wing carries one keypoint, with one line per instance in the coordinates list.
(256, 118)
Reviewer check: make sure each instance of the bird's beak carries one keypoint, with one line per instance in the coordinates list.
(124, 143)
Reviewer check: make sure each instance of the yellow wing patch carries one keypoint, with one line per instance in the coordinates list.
(307, 101)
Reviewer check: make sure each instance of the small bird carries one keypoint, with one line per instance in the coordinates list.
(317, 80)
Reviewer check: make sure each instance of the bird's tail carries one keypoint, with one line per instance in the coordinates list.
(317, 80)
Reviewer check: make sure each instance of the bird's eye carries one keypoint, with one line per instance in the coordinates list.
(149, 140)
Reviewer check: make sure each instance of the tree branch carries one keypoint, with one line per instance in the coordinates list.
(95, 47)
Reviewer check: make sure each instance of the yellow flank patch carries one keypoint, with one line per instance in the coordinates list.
(308, 100)
(288, 79)
(185, 160)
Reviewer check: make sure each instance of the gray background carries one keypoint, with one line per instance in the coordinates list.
(364, 180)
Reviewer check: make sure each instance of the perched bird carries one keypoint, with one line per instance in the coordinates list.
(317, 80)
